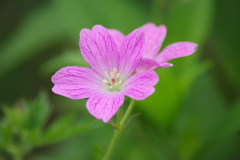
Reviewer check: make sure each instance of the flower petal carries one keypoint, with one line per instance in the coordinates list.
(166, 65)
(147, 65)
(117, 36)
(105, 105)
(131, 52)
(154, 37)
(175, 50)
(140, 85)
(99, 49)
(76, 82)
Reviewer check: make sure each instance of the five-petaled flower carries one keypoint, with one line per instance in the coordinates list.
(154, 37)
(111, 74)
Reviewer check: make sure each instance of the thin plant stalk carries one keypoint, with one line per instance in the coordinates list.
(120, 125)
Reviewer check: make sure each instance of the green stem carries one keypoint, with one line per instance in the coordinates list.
(112, 144)
(119, 116)
(120, 124)
(127, 113)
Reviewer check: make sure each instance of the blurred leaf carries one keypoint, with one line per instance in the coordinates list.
(157, 7)
(224, 149)
(226, 128)
(161, 106)
(188, 21)
(97, 152)
(68, 58)
(229, 124)
(195, 128)
(225, 131)
(205, 123)
(225, 42)
(38, 112)
(23, 126)
(5, 135)
(164, 104)
(65, 127)
(78, 14)
(39, 31)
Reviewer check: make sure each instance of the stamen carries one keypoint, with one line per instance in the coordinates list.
(105, 81)
(112, 80)
(120, 82)
(118, 74)
(114, 70)
(112, 74)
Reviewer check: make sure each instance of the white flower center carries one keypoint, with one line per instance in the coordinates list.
(113, 80)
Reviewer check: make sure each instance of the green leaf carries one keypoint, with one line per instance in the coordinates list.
(68, 58)
(162, 105)
(78, 14)
(37, 32)
(65, 127)
(225, 44)
(97, 152)
(229, 124)
(197, 121)
(38, 112)
(190, 20)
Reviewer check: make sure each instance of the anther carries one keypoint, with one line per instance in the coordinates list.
(120, 82)
(112, 74)
(118, 74)
(114, 70)
(105, 81)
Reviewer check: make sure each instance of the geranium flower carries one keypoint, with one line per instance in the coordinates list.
(111, 74)
(154, 36)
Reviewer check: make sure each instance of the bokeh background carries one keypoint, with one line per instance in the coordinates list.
(193, 115)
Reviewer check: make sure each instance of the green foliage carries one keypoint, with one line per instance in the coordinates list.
(97, 152)
(24, 128)
(184, 24)
(36, 33)
(193, 115)
(68, 58)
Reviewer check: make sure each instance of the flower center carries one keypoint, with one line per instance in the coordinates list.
(113, 80)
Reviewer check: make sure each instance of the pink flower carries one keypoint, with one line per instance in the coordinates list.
(154, 37)
(110, 77)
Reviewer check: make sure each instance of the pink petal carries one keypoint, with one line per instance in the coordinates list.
(131, 52)
(140, 85)
(117, 36)
(104, 105)
(154, 37)
(76, 82)
(99, 49)
(175, 50)
(166, 65)
(147, 65)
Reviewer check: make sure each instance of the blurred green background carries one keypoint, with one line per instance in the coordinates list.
(193, 115)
